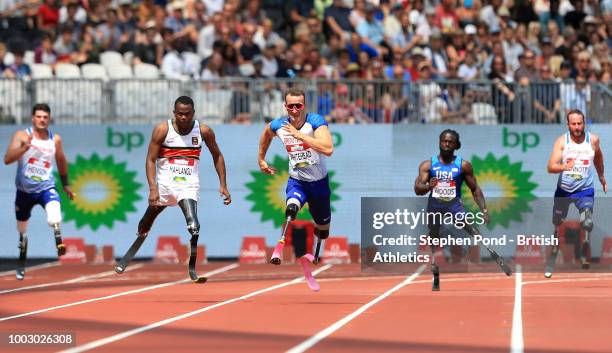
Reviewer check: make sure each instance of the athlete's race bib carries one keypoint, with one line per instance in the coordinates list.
(38, 169)
(445, 190)
(182, 170)
(301, 156)
(580, 169)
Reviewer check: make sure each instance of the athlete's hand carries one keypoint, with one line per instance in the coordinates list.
(263, 166)
(486, 218)
(292, 131)
(154, 197)
(433, 182)
(27, 143)
(569, 165)
(69, 192)
(602, 180)
(227, 198)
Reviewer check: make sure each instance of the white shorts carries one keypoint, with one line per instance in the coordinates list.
(171, 195)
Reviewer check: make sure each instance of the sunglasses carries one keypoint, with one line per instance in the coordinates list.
(295, 106)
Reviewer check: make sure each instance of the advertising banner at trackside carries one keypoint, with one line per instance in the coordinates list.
(107, 171)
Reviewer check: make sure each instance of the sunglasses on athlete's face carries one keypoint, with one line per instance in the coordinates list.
(295, 106)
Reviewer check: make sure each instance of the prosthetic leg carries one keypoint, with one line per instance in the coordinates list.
(552, 260)
(586, 222)
(290, 214)
(143, 230)
(500, 261)
(23, 251)
(189, 208)
(321, 234)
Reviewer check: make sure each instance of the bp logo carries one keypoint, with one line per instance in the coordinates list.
(268, 193)
(508, 182)
(106, 192)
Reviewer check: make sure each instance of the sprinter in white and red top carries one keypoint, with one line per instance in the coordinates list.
(575, 156)
(308, 142)
(172, 173)
(34, 149)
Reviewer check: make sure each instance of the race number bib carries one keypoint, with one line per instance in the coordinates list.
(38, 169)
(445, 190)
(580, 169)
(182, 170)
(301, 156)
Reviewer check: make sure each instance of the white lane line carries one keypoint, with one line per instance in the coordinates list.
(567, 280)
(32, 268)
(309, 343)
(120, 294)
(517, 343)
(120, 336)
(70, 281)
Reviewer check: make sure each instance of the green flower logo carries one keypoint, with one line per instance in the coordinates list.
(268, 193)
(511, 179)
(105, 192)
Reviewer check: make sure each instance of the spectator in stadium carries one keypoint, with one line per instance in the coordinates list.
(146, 12)
(214, 68)
(527, 69)
(72, 16)
(582, 66)
(502, 96)
(266, 36)
(48, 16)
(511, 47)
(337, 21)
(575, 17)
(425, 26)
(109, 33)
(253, 13)
(522, 12)
(146, 50)
(89, 49)
(247, 49)
(45, 54)
(446, 16)
(468, 71)
(546, 52)
(436, 53)
(404, 39)
(209, 34)
(468, 12)
(546, 103)
(199, 18)
(19, 69)
(173, 65)
(345, 111)
(371, 31)
(356, 45)
(64, 46)
(579, 97)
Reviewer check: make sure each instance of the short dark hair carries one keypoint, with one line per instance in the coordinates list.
(41, 106)
(453, 133)
(575, 111)
(185, 100)
(295, 92)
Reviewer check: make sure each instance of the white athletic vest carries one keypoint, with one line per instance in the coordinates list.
(581, 175)
(35, 167)
(177, 163)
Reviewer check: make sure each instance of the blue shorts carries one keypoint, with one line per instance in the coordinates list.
(316, 194)
(563, 199)
(454, 207)
(24, 202)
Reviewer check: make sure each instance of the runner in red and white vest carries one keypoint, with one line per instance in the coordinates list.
(172, 173)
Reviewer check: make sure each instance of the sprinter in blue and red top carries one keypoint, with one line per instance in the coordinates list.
(308, 142)
(441, 177)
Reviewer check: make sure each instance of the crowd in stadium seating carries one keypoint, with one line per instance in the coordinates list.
(511, 42)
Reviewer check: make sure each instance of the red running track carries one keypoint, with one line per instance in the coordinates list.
(261, 308)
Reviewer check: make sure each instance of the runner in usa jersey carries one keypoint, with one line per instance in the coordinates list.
(308, 142)
(441, 177)
(575, 156)
(173, 176)
(34, 150)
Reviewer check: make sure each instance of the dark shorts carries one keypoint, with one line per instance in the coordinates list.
(24, 202)
(316, 194)
(563, 199)
(442, 209)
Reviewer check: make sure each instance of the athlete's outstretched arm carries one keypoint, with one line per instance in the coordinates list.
(264, 144)
(157, 139)
(208, 136)
(62, 165)
(19, 144)
(470, 180)
(598, 160)
(321, 142)
(422, 184)
(555, 163)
